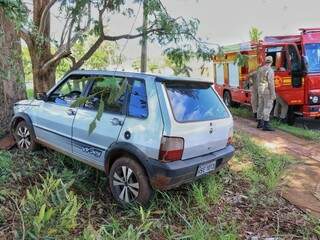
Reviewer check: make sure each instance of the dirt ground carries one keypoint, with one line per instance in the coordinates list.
(301, 183)
(6, 142)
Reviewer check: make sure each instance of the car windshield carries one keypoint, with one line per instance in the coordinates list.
(195, 102)
(313, 56)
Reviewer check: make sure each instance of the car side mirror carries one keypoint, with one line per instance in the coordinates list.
(42, 96)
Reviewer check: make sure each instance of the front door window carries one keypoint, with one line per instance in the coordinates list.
(68, 91)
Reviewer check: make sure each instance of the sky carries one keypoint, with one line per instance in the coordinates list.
(228, 21)
(223, 21)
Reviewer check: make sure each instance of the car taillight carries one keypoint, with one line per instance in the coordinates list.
(229, 141)
(171, 149)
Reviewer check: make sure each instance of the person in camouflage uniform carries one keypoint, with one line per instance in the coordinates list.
(253, 80)
(266, 94)
(283, 106)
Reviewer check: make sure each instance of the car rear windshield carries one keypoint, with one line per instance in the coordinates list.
(195, 102)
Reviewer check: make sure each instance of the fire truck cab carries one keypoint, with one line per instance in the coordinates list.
(296, 65)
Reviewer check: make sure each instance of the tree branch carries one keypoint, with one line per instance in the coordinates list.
(26, 36)
(88, 54)
(130, 36)
(44, 16)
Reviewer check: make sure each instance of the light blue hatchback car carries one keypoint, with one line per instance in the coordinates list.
(155, 132)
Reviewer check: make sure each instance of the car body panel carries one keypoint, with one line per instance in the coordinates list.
(53, 124)
(94, 146)
(200, 137)
(205, 141)
(146, 133)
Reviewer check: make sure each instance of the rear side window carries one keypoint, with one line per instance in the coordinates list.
(138, 106)
(195, 102)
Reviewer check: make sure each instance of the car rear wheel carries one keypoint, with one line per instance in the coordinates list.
(129, 183)
(23, 137)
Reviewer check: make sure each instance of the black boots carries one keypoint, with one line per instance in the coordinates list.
(267, 127)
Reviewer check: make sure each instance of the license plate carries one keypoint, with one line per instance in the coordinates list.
(206, 168)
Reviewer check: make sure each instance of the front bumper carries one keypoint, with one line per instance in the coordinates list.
(164, 176)
(311, 111)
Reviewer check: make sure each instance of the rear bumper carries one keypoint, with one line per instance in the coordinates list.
(164, 176)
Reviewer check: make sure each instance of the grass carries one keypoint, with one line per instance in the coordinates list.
(5, 166)
(266, 168)
(241, 112)
(307, 134)
(60, 198)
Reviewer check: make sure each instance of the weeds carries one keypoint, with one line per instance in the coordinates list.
(51, 210)
(241, 112)
(207, 209)
(267, 167)
(199, 230)
(5, 166)
(298, 132)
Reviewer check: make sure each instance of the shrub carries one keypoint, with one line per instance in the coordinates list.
(50, 211)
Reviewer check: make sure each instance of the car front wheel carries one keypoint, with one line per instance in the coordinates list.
(129, 183)
(24, 138)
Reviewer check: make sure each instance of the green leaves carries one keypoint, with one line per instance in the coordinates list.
(51, 210)
(79, 102)
(255, 34)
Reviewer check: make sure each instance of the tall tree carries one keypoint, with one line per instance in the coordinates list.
(12, 86)
(79, 23)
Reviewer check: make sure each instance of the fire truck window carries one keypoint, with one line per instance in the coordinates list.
(278, 54)
(219, 74)
(234, 75)
(294, 58)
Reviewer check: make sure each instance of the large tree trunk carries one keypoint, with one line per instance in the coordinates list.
(40, 51)
(12, 85)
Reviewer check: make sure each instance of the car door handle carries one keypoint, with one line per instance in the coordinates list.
(71, 112)
(116, 122)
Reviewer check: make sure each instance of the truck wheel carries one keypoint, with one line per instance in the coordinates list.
(23, 137)
(291, 117)
(227, 99)
(129, 183)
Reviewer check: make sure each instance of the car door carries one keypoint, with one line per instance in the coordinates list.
(54, 117)
(92, 146)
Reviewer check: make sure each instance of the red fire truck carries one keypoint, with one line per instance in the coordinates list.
(296, 65)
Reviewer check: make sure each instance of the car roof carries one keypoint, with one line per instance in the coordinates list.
(158, 77)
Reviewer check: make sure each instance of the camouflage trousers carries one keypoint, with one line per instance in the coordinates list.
(254, 100)
(283, 106)
(265, 105)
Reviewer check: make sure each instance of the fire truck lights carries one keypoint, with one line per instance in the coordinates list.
(314, 99)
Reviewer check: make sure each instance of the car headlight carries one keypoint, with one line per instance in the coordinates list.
(314, 99)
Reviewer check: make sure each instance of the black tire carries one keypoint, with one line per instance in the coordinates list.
(24, 139)
(291, 117)
(129, 188)
(227, 99)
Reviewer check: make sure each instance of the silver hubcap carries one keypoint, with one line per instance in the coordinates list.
(24, 138)
(125, 181)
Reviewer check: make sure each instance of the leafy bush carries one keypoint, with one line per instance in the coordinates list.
(50, 211)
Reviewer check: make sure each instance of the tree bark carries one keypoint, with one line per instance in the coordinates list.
(12, 84)
(40, 51)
